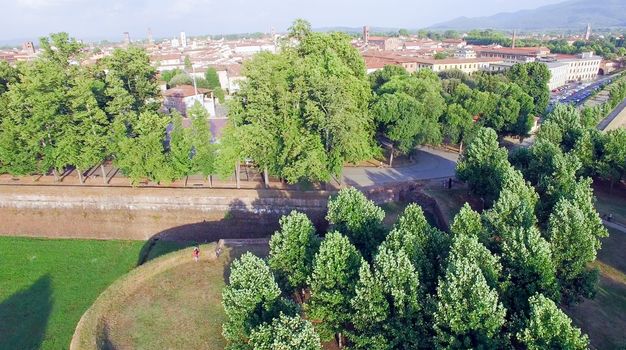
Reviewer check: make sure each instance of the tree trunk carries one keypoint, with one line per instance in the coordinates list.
(461, 147)
(104, 174)
(210, 178)
(237, 171)
(80, 176)
(339, 342)
(266, 178)
(391, 157)
(56, 175)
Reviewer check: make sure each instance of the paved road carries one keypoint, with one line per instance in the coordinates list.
(614, 225)
(430, 164)
(606, 121)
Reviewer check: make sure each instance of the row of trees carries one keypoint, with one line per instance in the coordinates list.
(489, 283)
(301, 114)
(56, 113)
(568, 132)
(556, 201)
(609, 48)
(423, 108)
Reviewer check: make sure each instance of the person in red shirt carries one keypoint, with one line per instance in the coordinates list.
(196, 254)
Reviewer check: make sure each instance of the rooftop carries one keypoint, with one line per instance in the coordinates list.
(184, 91)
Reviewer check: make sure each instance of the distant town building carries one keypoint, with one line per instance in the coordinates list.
(175, 43)
(183, 39)
(466, 65)
(366, 34)
(384, 43)
(515, 55)
(559, 72)
(582, 67)
(183, 97)
(465, 53)
(454, 43)
(150, 40)
(374, 62)
(252, 48)
(28, 48)
(126, 39)
(234, 77)
(588, 32)
(607, 67)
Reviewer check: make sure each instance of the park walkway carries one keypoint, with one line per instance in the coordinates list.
(615, 226)
(616, 118)
(430, 163)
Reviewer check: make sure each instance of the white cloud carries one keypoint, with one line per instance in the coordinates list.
(39, 4)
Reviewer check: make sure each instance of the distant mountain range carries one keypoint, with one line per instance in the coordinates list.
(573, 14)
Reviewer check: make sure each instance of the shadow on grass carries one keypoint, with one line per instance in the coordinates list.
(24, 316)
(241, 221)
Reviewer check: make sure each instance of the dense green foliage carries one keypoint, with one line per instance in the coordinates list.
(332, 284)
(493, 282)
(549, 328)
(47, 284)
(533, 78)
(300, 115)
(285, 333)
(251, 299)
(292, 250)
(59, 115)
(358, 218)
(407, 109)
(609, 48)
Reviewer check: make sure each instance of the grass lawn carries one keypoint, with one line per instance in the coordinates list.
(604, 317)
(179, 308)
(47, 284)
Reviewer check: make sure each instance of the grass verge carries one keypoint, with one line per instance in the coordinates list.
(170, 302)
(604, 317)
(47, 284)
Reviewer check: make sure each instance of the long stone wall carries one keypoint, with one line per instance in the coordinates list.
(141, 213)
(199, 214)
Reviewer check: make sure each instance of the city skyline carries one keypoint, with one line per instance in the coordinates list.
(91, 20)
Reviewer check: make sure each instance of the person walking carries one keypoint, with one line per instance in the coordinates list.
(196, 254)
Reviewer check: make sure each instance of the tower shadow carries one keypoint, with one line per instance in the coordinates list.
(24, 316)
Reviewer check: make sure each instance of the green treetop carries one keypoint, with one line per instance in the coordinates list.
(549, 328)
(468, 314)
(357, 217)
(334, 277)
(292, 249)
(285, 333)
(249, 299)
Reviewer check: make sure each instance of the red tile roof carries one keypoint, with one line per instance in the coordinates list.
(184, 91)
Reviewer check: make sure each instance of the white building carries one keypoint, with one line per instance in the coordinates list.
(582, 67)
(183, 39)
(175, 43)
(465, 53)
(251, 49)
(558, 74)
(467, 65)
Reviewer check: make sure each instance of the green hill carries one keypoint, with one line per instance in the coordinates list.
(573, 14)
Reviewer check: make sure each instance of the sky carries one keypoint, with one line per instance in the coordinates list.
(99, 19)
